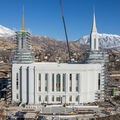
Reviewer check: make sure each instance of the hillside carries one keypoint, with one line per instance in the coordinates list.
(46, 49)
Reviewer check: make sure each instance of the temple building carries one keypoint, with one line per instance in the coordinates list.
(52, 82)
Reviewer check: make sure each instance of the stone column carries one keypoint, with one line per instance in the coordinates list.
(24, 84)
(31, 85)
(42, 86)
(14, 92)
(67, 87)
(49, 86)
(61, 80)
(55, 82)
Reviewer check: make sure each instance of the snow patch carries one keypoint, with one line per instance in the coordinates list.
(6, 32)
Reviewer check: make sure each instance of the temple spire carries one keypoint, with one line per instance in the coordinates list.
(23, 23)
(94, 29)
(94, 44)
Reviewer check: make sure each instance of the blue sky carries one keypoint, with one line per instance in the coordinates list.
(43, 17)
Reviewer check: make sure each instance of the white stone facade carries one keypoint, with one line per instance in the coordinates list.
(44, 82)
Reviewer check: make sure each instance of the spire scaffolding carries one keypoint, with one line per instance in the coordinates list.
(23, 23)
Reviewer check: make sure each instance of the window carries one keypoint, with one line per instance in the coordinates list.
(70, 98)
(39, 98)
(22, 41)
(39, 88)
(64, 78)
(77, 76)
(99, 96)
(77, 81)
(17, 96)
(76, 89)
(39, 76)
(77, 98)
(46, 98)
(39, 82)
(58, 83)
(70, 88)
(52, 98)
(95, 43)
(70, 76)
(17, 81)
(46, 76)
(58, 99)
(45, 88)
(46, 82)
(99, 81)
(53, 82)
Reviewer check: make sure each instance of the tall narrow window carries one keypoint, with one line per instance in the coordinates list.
(64, 78)
(39, 98)
(46, 82)
(77, 81)
(22, 41)
(46, 98)
(53, 98)
(17, 81)
(70, 98)
(17, 96)
(95, 43)
(77, 98)
(98, 81)
(70, 88)
(39, 82)
(53, 82)
(58, 83)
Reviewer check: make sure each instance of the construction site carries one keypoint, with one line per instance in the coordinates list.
(18, 89)
(107, 105)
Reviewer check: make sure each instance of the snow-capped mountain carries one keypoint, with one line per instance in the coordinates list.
(6, 32)
(105, 40)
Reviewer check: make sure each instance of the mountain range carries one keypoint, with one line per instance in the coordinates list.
(105, 40)
(6, 32)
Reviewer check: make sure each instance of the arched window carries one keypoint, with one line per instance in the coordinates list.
(58, 83)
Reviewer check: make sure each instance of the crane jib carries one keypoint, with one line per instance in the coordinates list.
(65, 32)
